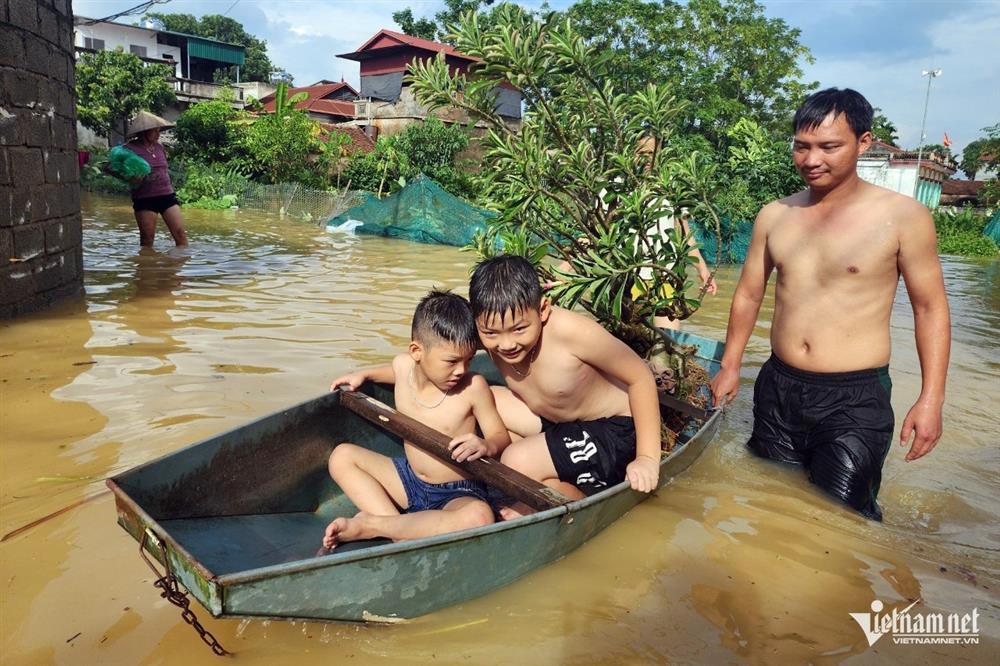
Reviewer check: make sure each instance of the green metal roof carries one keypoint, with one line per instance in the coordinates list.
(211, 49)
(218, 51)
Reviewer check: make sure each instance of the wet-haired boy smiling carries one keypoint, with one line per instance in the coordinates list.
(581, 404)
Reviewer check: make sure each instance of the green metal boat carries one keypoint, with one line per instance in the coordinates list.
(238, 519)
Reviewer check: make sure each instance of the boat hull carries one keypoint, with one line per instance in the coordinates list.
(239, 517)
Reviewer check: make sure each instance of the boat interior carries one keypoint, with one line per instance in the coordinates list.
(260, 495)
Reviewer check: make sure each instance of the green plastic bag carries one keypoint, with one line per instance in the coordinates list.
(126, 164)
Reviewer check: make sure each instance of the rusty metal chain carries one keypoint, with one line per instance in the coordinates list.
(170, 589)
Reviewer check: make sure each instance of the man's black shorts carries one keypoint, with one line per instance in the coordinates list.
(838, 425)
(592, 455)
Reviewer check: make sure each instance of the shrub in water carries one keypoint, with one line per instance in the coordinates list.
(961, 233)
(209, 187)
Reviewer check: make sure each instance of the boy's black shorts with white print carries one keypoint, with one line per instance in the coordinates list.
(592, 455)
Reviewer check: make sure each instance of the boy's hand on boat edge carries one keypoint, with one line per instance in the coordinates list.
(643, 473)
(468, 447)
(352, 381)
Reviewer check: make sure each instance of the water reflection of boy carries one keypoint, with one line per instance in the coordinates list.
(154, 195)
(433, 385)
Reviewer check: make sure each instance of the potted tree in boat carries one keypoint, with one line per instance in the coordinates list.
(589, 185)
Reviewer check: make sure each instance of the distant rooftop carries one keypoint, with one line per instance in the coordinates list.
(396, 41)
(316, 99)
(80, 20)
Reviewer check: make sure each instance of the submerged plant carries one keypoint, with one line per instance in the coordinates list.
(588, 183)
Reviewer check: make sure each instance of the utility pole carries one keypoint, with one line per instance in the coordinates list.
(931, 74)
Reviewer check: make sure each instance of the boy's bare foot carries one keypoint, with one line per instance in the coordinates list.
(516, 510)
(344, 529)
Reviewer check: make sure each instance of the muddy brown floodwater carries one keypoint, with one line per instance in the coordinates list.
(737, 561)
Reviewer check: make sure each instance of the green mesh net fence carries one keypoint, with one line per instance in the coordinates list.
(294, 200)
(992, 229)
(422, 211)
(735, 241)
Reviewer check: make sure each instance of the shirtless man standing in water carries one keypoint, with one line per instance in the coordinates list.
(839, 247)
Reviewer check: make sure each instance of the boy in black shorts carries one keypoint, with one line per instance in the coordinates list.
(581, 402)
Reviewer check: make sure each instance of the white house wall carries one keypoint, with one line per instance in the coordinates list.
(896, 178)
(123, 36)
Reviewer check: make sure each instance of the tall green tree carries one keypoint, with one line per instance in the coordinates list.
(883, 129)
(574, 181)
(430, 147)
(206, 131)
(284, 146)
(726, 58)
(758, 170)
(258, 65)
(423, 28)
(111, 86)
(983, 153)
(437, 29)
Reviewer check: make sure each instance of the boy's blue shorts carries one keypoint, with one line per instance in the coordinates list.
(423, 496)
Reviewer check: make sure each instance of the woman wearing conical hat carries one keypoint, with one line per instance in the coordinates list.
(154, 194)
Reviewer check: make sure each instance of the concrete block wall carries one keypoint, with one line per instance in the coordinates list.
(41, 258)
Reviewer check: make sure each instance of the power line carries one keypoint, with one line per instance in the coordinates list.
(142, 7)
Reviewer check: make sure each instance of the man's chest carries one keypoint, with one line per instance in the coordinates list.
(820, 251)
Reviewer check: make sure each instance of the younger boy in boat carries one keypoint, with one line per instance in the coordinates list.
(581, 404)
(418, 495)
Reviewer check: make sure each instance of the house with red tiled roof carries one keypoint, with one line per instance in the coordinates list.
(387, 104)
(961, 192)
(359, 142)
(325, 102)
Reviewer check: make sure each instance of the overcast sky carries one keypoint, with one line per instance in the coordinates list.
(878, 47)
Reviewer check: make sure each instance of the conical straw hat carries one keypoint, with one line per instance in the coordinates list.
(144, 120)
